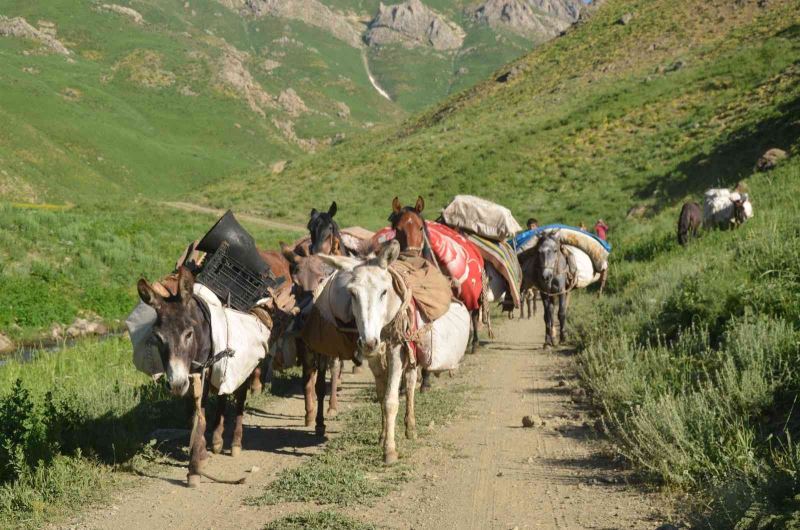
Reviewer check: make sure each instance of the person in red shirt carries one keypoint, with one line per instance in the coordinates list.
(600, 228)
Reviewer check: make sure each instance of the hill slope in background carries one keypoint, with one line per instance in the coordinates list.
(100, 97)
(610, 116)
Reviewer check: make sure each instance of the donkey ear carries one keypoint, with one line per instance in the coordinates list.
(396, 206)
(420, 204)
(185, 284)
(332, 209)
(345, 263)
(288, 253)
(148, 294)
(388, 254)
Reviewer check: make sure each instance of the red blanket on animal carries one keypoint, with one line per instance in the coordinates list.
(457, 255)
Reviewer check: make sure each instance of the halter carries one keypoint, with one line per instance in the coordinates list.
(425, 249)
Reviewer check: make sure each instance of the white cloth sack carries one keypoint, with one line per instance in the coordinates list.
(447, 338)
(586, 272)
(718, 206)
(481, 217)
(244, 333)
(140, 328)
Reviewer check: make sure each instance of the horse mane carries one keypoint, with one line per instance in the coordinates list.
(394, 218)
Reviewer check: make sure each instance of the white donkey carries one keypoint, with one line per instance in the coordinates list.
(362, 290)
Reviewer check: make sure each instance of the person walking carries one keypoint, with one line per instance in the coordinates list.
(600, 228)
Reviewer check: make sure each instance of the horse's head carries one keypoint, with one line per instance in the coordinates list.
(373, 299)
(409, 225)
(324, 230)
(182, 332)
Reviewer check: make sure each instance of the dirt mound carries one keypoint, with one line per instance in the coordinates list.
(132, 14)
(536, 19)
(19, 27)
(413, 24)
(312, 12)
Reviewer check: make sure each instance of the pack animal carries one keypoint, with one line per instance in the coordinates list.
(364, 291)
(183, 336)
(689, 222)
(723, 208)
(547, 268)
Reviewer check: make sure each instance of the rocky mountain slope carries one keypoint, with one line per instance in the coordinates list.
(120, 96)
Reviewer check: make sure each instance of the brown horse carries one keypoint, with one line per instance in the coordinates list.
(182, 333)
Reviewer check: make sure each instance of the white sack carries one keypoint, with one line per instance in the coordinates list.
(718, 207)
(480, 216)
(448, 338)
(586, 273)
(140, 327)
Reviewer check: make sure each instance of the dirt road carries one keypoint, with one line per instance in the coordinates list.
(482, 471)
(269, 223)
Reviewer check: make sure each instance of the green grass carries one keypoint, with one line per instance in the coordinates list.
(323, 520)
(350, 470)
(56, 264)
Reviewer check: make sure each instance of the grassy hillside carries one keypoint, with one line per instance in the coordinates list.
(605, 118)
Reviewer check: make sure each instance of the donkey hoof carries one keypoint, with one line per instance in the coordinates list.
(424, 387)
(357, 369)
(216, 448)
(332, 412)
(236, 450)
(390, 458)
(320, 430)
(192, 481)
(411, 433)
(474, 347)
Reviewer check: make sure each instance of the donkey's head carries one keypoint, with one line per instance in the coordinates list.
(308, 272)
(409, 225)
(373, 299)
(742, 209)
(548, 255)
(324, 230)
(182, 332)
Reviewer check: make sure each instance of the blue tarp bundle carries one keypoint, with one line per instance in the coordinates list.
(520, 239)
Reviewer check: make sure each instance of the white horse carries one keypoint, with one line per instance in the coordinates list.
(362, 290)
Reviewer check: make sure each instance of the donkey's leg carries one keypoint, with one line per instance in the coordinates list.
(603, 276)
(476, 315)
(392, 402)
(309, 382)
(411, 385)
(197, 452)
(255, 379)
(322, 367)
(533, 302)
(219, 424)
(336, 371)
(547, 302)
(238, 429)
(380, 390)
(563, 305)
(426, 381)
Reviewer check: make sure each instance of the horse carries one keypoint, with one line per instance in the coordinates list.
(411, 231)
(326, 238)
(183, 335)
(547, 268)
(689, 221)
(364, 291)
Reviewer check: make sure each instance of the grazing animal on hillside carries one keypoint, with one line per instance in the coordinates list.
(723, 208)
(689, 221)
(549, 267)
(185, 340)
(365, 291)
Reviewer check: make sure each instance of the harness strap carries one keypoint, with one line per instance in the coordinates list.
(210, 359)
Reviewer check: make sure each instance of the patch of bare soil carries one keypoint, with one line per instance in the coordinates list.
(188, 207)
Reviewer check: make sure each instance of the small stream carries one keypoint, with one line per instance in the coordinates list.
(28, 351)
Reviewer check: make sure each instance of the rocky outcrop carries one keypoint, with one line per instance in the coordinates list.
(411, 24)
(534, 19)
(311, 12)
(132, 14)
(234, 75)
(19, 27)
(292, 103)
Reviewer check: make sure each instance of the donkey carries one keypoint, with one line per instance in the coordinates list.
(182, 334)
(363, 291)
(547, 268)
(308, 272)
(689, 221)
